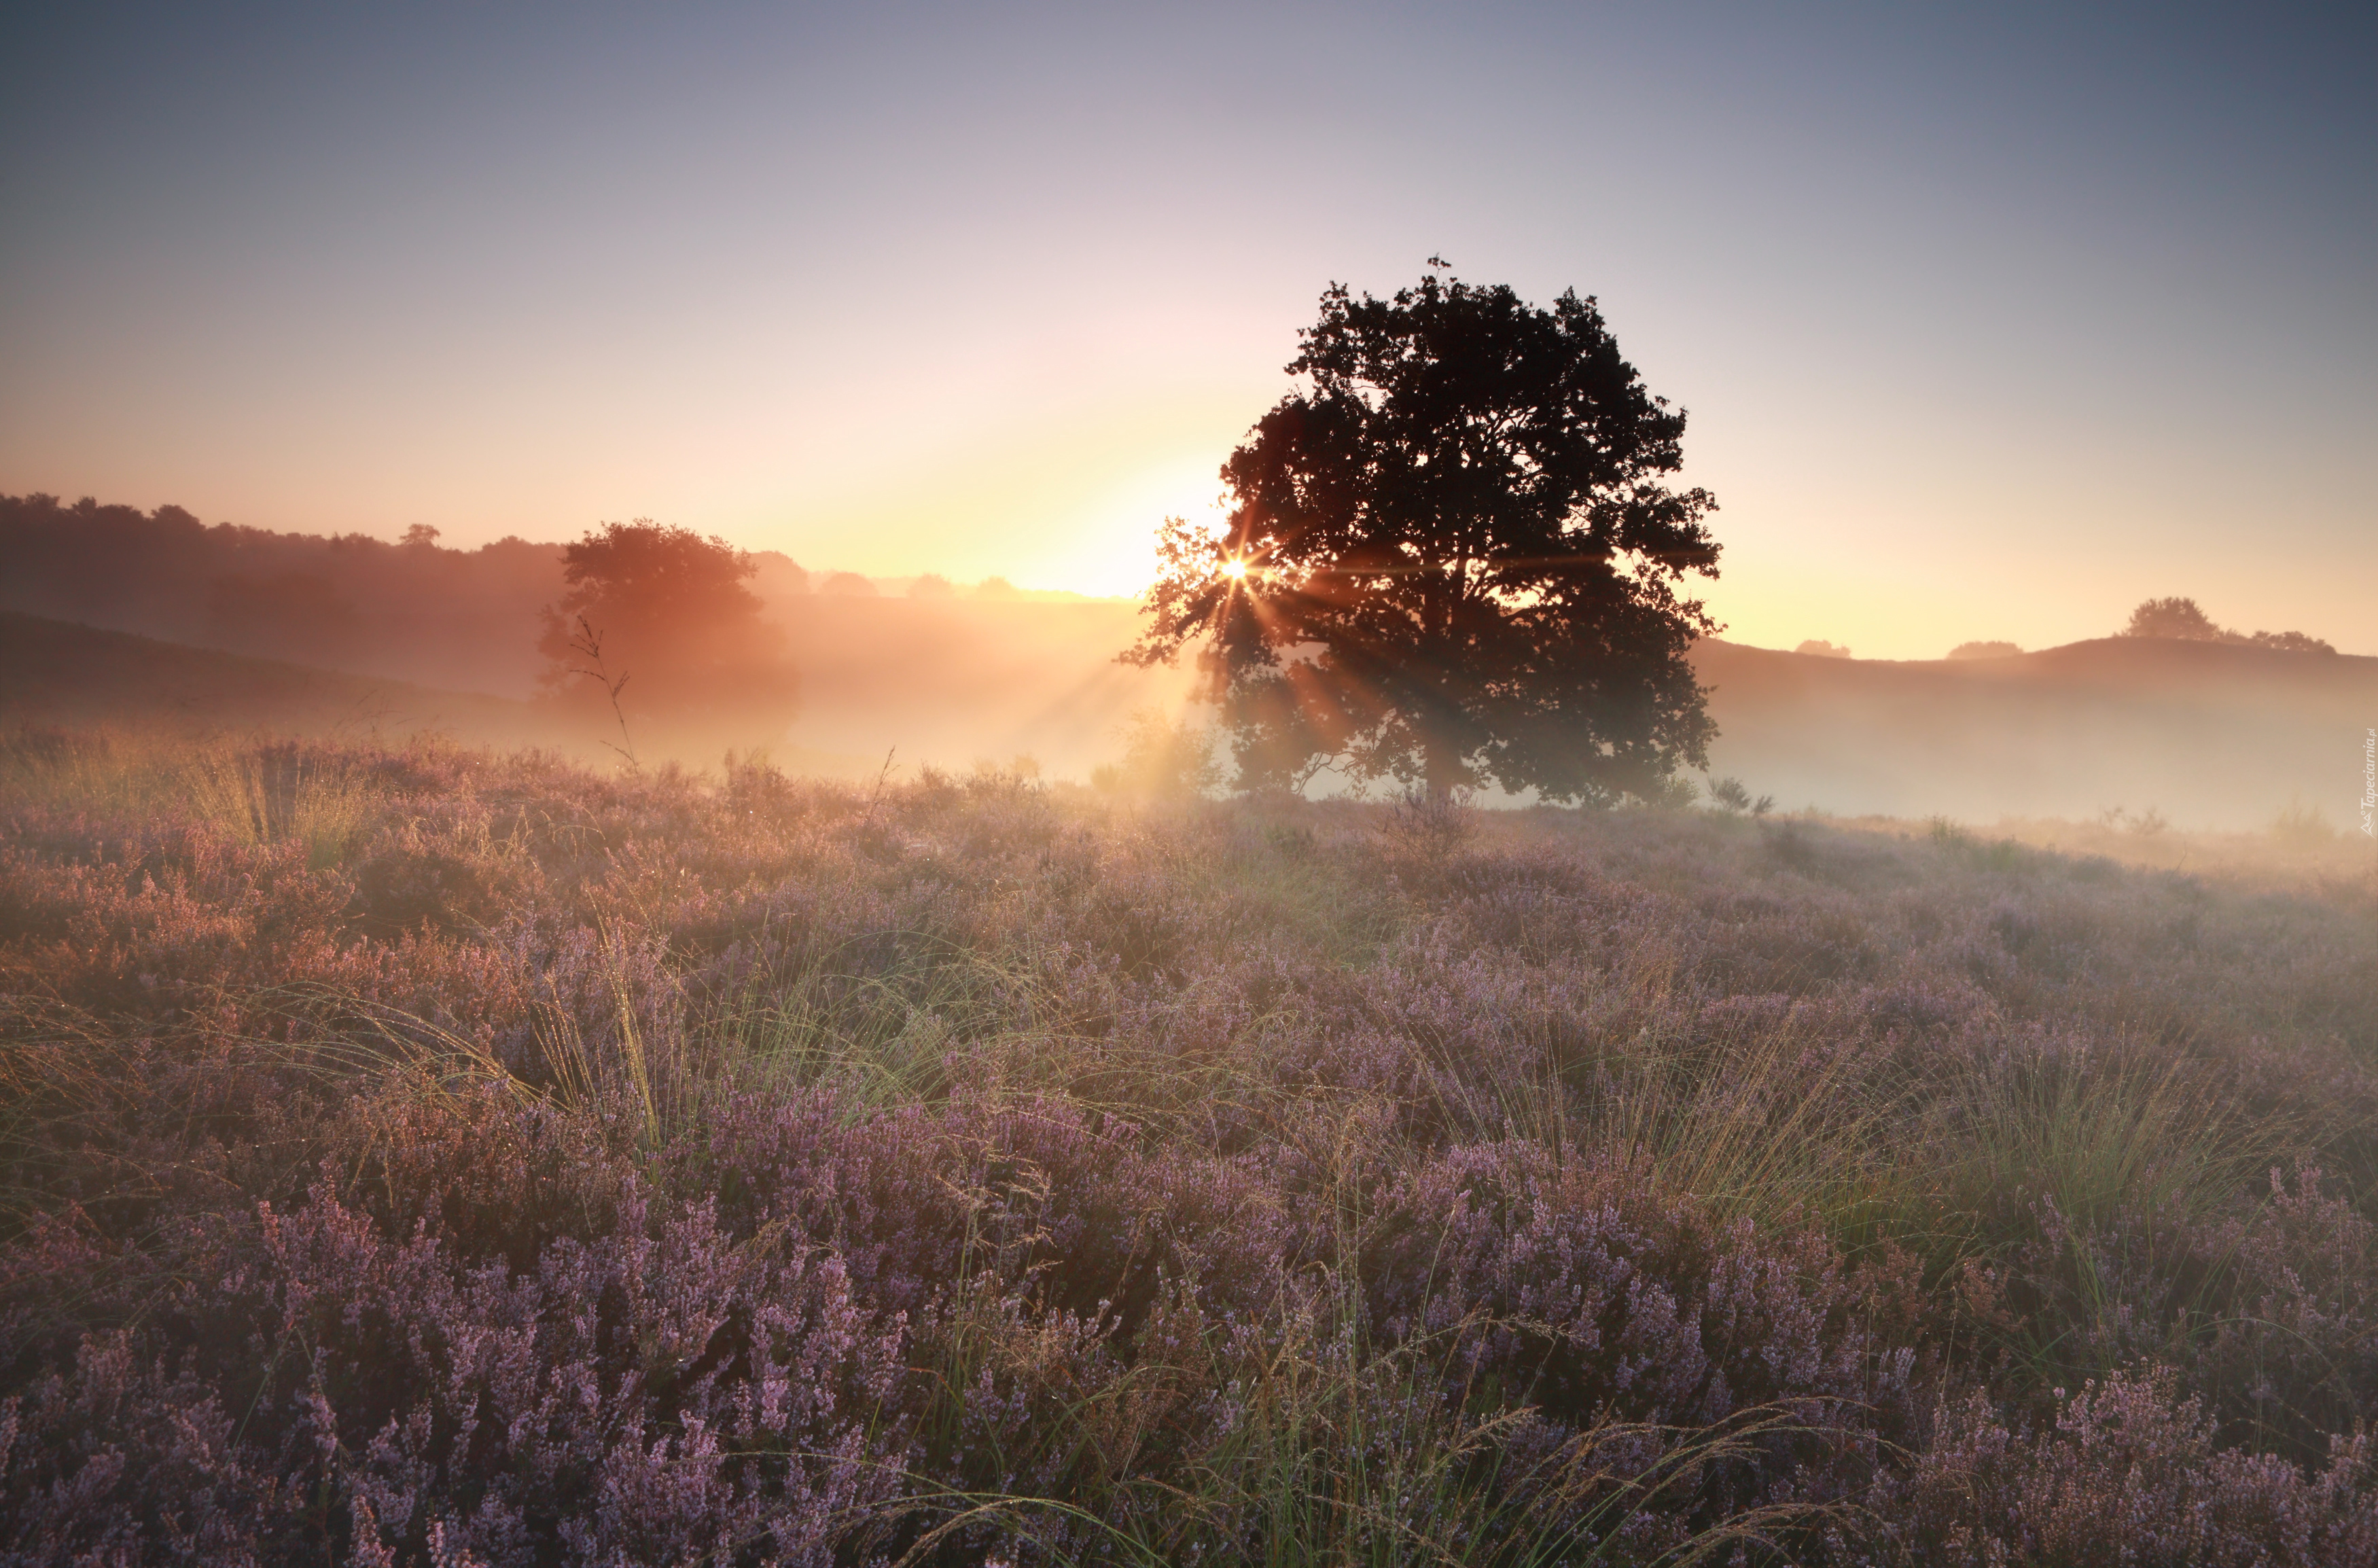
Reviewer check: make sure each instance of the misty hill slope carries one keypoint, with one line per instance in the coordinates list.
(57, 673)
(2210, 735)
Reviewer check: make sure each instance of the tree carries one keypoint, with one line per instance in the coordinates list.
(660, 620)
(1450, 557)
(2179, 618)
(2183, 621)
(1163, 758)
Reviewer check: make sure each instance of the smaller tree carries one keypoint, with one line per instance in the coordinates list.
(659, 619)
(2292, 642)
(1732, 796)
(1163, 758)
(2180, 619)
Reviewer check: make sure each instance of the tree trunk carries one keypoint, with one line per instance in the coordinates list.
(1440, 768)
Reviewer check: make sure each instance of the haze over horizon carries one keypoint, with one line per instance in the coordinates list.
(1990, 326)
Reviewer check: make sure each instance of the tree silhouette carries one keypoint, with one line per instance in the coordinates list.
(2183, 621)
(2177, 618)
(1452, 558)
(682, 649)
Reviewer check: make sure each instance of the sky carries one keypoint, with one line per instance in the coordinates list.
(1991, 321)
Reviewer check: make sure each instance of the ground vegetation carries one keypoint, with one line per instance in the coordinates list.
(423, 1155)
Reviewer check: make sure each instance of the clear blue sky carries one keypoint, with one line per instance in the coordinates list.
(1991, 322)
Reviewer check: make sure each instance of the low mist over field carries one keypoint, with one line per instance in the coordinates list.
(2205, 734)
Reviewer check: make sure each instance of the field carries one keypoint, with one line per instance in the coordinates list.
(417, 1153)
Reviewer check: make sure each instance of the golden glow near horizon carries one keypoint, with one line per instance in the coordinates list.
(1106, 544)
(864, 302)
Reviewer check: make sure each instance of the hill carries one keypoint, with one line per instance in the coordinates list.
(57, 673)
(2209, 734)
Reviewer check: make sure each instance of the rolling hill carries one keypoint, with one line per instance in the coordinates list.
(2210, 735)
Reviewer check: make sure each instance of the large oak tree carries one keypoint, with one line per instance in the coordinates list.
(1452, 557)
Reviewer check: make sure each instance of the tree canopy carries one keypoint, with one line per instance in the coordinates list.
(2184, 620)
(660, 620)
(1451, 557)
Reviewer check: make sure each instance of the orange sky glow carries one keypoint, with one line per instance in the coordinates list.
(1990, 328)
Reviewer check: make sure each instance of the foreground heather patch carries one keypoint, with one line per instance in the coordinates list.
(441, 1157)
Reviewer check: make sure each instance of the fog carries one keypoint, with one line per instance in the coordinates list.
(2208, 735)
(351, 634)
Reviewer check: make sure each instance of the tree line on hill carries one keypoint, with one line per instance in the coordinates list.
(2178, 620)
(413, 609)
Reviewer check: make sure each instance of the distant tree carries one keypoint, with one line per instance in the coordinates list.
(1984, 651)
(994, 587)
(421, 536)
(660, 620)
(1452, 558)
(1818, 647)
(778, 576)
(931, 585)
(1164, 757)
(847, 585)
(2176, 618)
(2292, 642)
(2181, 619)
(1733, 797)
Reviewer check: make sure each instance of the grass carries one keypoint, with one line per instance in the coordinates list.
(1250, 1182)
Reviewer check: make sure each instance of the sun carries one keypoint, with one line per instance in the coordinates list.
(1235, 568)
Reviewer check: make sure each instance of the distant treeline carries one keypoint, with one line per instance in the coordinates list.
(466, 619)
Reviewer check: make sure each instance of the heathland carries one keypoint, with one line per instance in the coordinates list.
(413, 1153)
